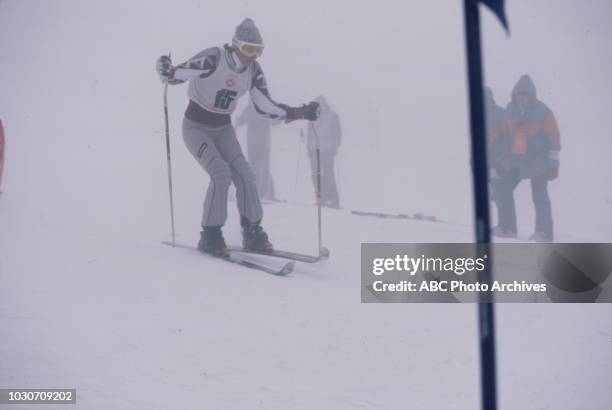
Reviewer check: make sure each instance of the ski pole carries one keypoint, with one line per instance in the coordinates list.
(318, 151)
(169, 163)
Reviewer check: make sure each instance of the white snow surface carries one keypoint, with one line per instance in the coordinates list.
(90, 299)
(102, 307)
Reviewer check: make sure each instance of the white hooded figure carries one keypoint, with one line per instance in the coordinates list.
(328, 128)
(258, 136)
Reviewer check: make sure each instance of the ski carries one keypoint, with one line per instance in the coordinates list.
(299, 257)
(415, 217)
(286, 269)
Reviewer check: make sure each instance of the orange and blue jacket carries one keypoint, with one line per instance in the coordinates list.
(532, 132)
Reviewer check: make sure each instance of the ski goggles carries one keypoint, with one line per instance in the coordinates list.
(249, 49)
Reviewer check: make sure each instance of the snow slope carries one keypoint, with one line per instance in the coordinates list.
(89, 299)
(133, 324)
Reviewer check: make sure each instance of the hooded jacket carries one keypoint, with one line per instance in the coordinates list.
(256, 124)
(533, 132)
(329, 130)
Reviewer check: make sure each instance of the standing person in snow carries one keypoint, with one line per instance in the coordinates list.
(330, 134)
(534, 154)
(218, 76)
(258, 149)
(497, 142)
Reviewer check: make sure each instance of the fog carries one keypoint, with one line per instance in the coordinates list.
(85, 183)
(396, 75)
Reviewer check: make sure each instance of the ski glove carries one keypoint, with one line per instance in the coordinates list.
(164, 68)
(312, 111)
(305, 112)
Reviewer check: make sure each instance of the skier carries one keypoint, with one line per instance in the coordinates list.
(534, 154)
(218, 76)
(330, 134)
(258, 149)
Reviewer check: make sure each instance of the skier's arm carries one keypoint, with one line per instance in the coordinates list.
(266, 106)
(201, 65)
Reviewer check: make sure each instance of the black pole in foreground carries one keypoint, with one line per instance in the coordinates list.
(481, 198)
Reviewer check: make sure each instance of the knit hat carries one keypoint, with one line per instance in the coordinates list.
(247, 32)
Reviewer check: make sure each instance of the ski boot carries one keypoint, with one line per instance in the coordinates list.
(254, 238)
(211, 241)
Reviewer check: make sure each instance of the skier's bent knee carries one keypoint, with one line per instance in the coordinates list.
(242, 167)
(219, 172)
